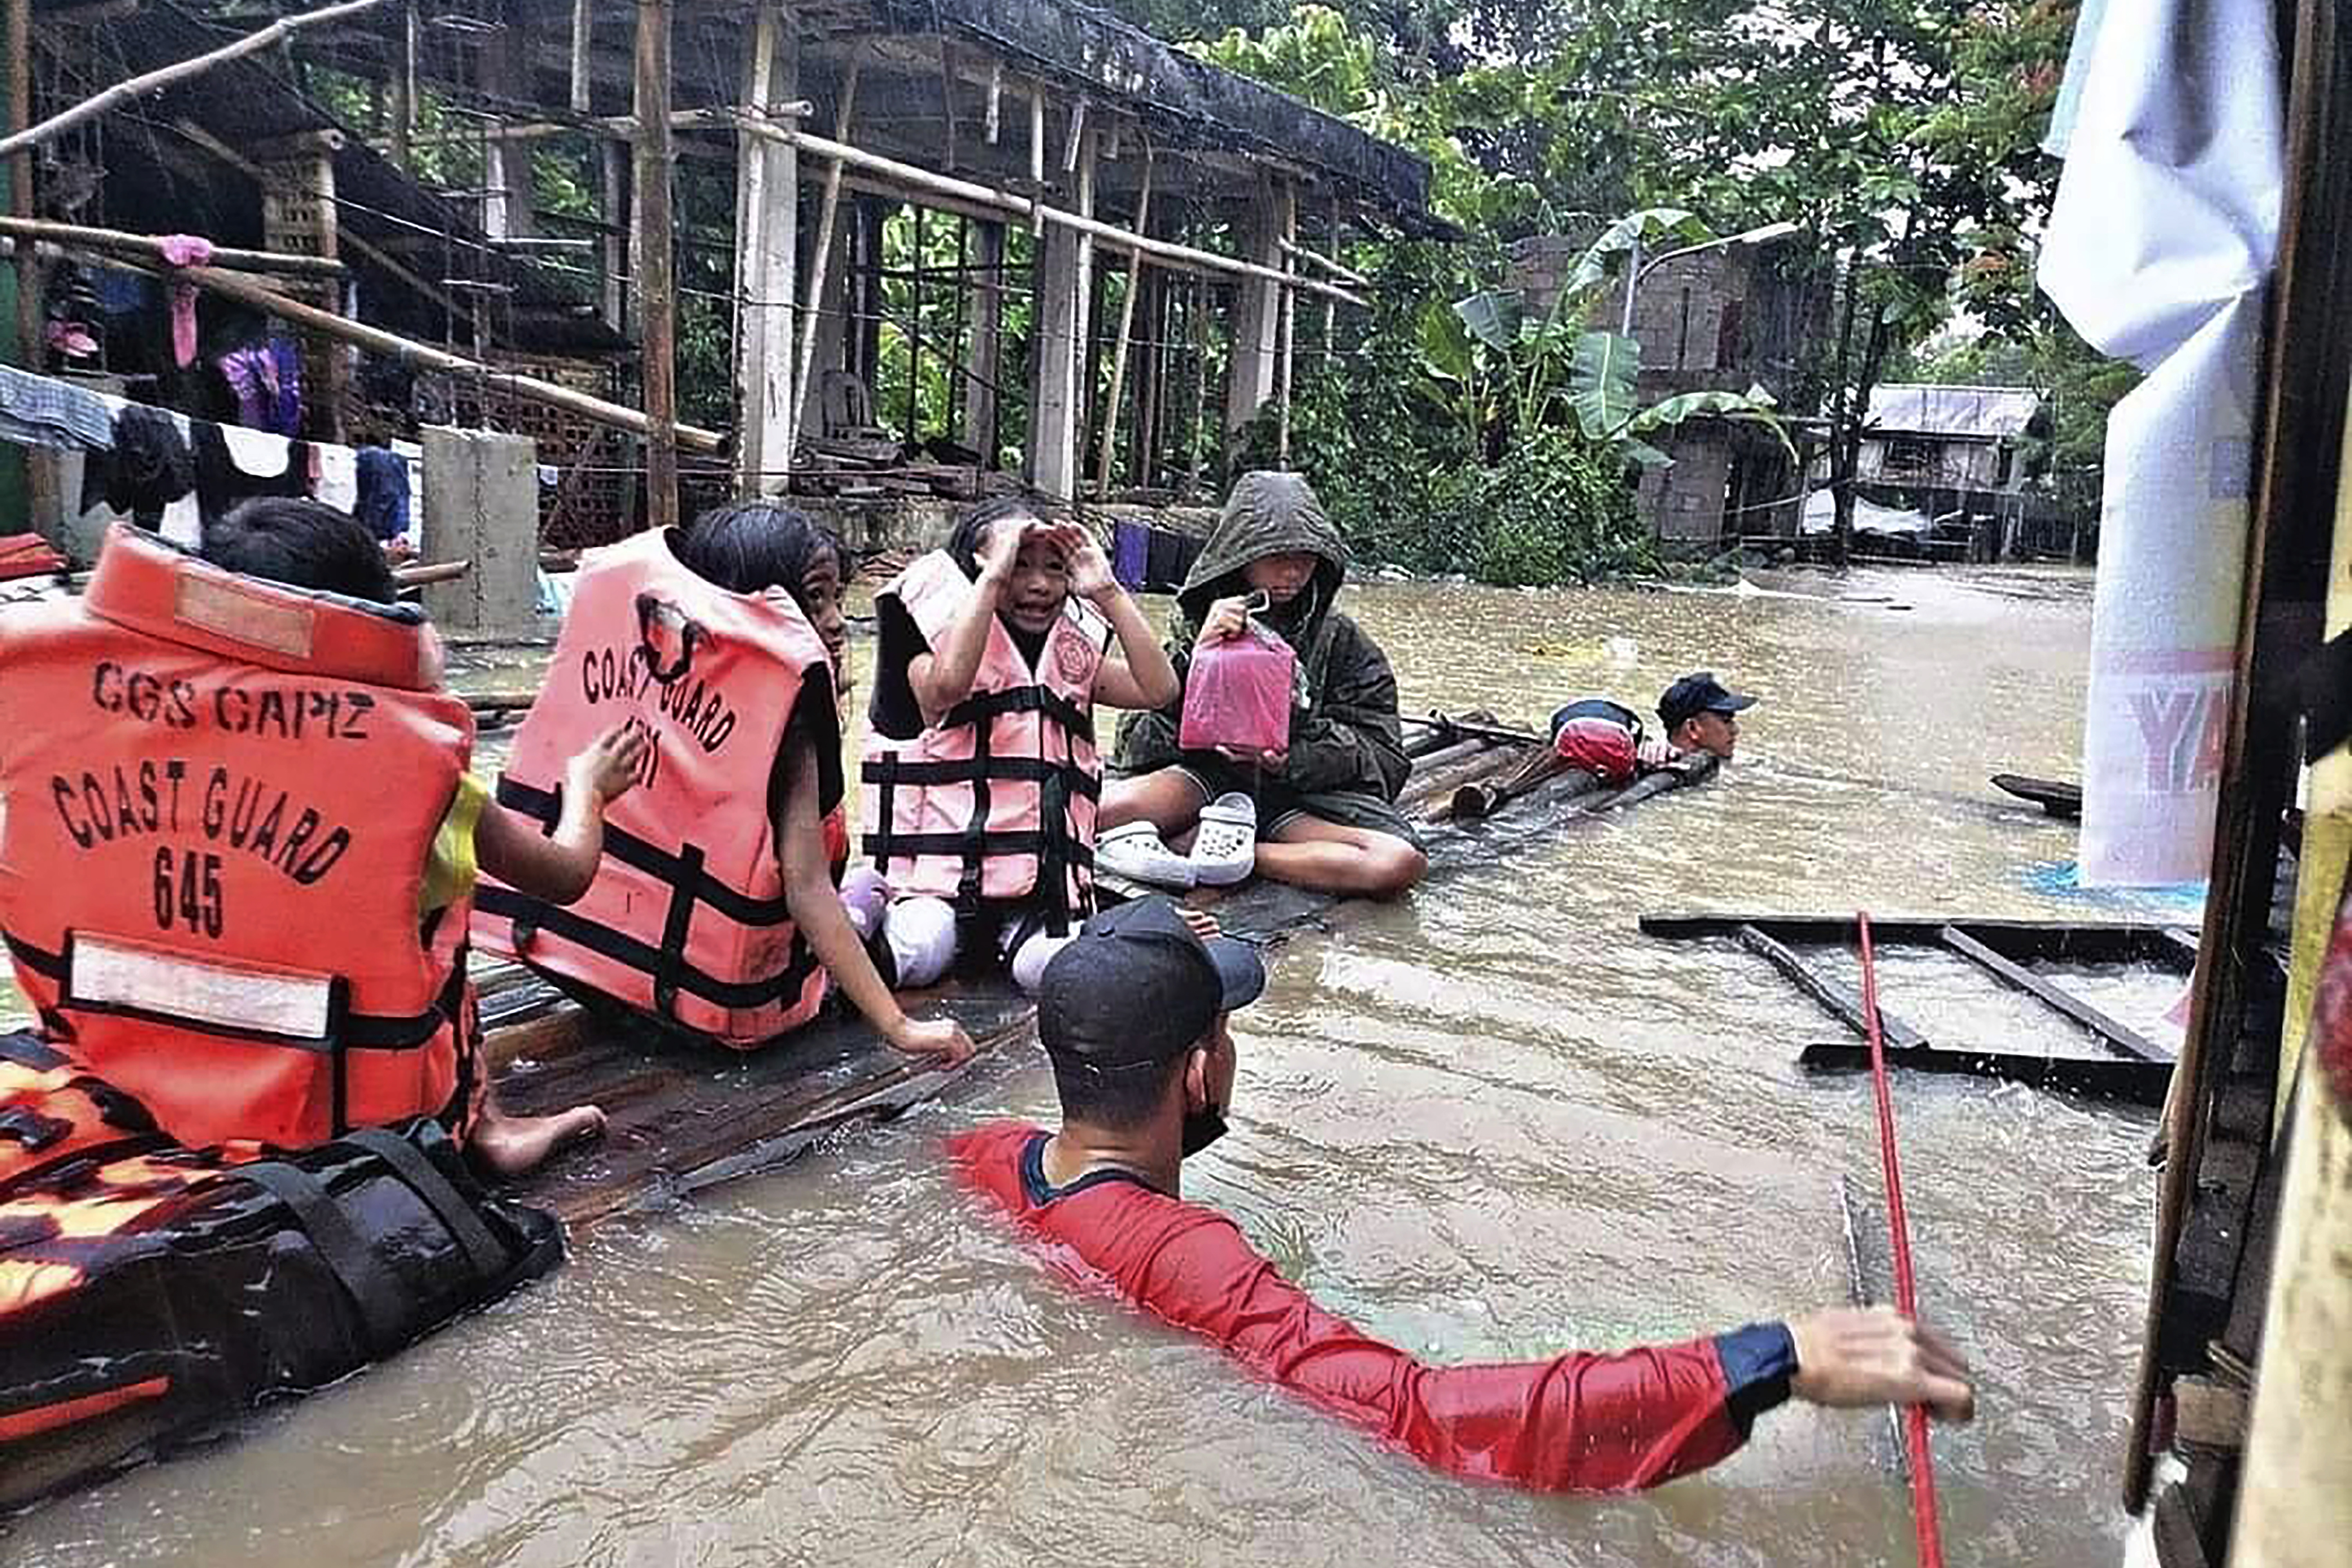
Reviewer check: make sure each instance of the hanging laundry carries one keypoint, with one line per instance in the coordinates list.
(151, 467)
(252, 376)
(235, 465)
(41, 412)
(337, 482)
(1130, 553)
(383, 502)
(285, 414)
(184, 250)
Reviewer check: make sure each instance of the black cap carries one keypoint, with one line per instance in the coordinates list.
(1699, 693)
(1138, 986)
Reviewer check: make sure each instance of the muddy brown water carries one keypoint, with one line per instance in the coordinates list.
(1488, 1122)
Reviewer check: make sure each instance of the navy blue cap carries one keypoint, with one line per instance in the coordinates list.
(1139, 986)
(1699, 693)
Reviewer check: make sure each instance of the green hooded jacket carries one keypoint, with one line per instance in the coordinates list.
(1343, 730)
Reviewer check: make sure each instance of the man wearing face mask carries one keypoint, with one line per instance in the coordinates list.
(1133, 1018)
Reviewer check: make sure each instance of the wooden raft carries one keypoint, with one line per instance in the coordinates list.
(684, 1116)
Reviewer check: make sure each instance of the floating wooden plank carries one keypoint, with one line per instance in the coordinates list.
(2090, 941)
(2122, 1037)
(1841, 1002)
(2097, 1078)
(2059, 799)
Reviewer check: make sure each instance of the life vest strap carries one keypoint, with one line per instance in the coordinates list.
(1025, 698)
(1022, 841)
(375, 1290)
(449, 1205)
(683, 872)
(897, 770)
(627, 951)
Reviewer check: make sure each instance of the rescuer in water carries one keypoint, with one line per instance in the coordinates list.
(1133, 1018)
(1596, 736)
(980, 777)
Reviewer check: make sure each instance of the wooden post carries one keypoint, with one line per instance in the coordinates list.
(1126, 331)
(1063, 283)
(656, 266)
(914, 334)
(820, 257)
(583, 20)
(979, 402)
(1257, 313)
(1197, 312)
(298, 217)
(767, 252)
(404, 94)
(507, 209)
(41, 497)
(618, 251)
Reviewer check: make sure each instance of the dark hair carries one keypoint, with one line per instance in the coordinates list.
(1121, 1098)
(302, 543)
(750, 546)
(964, 545)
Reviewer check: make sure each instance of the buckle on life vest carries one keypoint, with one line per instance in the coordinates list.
(654, 610)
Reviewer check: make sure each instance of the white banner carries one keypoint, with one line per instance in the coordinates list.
(2162, 239)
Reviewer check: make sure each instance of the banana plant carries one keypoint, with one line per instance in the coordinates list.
(1497, 369)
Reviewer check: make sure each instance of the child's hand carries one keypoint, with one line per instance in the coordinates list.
(1090, 573)
(1226, 619)
(607, 769)
(1002, 549)
(1204, 924)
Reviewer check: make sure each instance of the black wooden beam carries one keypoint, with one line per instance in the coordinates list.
(2096, 1078)
(1841, 1002)
(2126, 1039)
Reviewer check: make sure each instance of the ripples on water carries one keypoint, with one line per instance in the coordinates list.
(1486, 1123)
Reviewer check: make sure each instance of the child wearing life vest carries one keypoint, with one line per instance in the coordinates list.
(309, 545)
(720, 909)
(262, 731)
(979, 775)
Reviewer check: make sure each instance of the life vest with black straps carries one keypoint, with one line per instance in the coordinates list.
(220, 798)
(150, 1292)
(687, 920)
(997, 800)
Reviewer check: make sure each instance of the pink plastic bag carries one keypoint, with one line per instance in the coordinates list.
(1238, 694)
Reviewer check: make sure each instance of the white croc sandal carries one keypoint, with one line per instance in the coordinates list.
(1134, 850)
(1225, 848)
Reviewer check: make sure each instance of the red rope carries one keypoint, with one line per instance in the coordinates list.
(1915, 1419)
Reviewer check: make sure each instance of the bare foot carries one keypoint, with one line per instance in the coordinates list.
(512, 1145)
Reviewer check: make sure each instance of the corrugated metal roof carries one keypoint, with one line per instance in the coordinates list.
(1980, 413)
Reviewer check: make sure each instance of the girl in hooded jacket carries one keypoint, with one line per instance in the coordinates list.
(1320, 812)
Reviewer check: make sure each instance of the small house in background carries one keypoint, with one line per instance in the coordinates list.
(1717, 320)
(1947, 473)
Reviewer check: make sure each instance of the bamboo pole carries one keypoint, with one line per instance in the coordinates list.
(828, 210)
(404, 94)
(139, 87)
(1344, 273)
(656, 291)
(151, 245)
(1167, 251)
(1125, 330)
(583, 17)
(229, 286)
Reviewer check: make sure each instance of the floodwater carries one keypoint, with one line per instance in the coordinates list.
(1491, 1122)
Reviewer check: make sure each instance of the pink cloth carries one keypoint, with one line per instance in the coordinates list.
(184, 250)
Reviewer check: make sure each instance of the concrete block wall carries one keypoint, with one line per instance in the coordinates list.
(481, 505)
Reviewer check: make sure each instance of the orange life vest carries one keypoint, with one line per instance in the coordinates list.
(220, 797)
(997, 799)
(687, 920)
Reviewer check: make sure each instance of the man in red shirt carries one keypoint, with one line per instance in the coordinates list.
(1133, 1015)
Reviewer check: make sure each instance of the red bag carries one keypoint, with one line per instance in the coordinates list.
(1238, 694)
(1598, 746)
